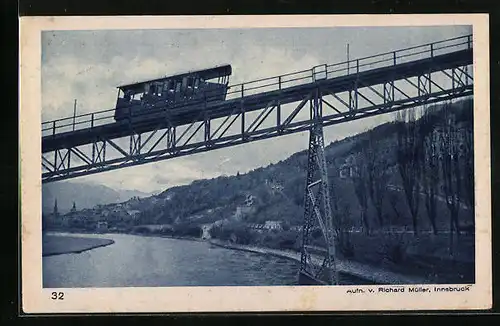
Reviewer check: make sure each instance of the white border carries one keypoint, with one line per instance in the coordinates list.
(35, 299)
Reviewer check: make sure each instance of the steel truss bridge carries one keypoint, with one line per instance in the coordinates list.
(307, 100)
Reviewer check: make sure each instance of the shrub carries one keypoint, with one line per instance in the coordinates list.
(188, 230)
(287, 239)
(165, 231)
(243, 235)
(393, 246)
(142, 230)
(344, 244)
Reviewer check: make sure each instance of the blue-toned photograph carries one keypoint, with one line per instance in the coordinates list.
(257, 157)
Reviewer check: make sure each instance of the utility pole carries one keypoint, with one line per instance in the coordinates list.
(74, 115)
(348, 58)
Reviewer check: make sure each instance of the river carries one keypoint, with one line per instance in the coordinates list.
(137, 261)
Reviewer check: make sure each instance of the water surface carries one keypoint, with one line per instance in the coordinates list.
(137, 261)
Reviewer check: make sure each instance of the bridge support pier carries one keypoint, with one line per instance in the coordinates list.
(317, 266)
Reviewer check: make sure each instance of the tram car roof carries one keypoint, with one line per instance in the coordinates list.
(210, 73)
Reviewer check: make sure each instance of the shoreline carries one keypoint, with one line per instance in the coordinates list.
(356, 269)
(54, 245)
(359, 270)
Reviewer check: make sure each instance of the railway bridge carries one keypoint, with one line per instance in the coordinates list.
(307, 100)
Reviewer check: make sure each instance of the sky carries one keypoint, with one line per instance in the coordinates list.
(88, 65)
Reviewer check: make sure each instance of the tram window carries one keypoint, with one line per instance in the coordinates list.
(178, 87)
(158, 88)
(138, 96)
(128, 95)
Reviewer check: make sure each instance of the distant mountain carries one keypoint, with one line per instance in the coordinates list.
(85, 195)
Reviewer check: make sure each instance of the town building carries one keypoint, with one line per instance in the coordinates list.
(273, 225)
(102, 226)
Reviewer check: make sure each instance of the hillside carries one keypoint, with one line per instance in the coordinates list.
(274, 192)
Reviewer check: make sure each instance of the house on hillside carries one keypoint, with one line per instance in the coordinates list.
(118, 208)
(273, 225)
(249, 200)
(274, 186)
(102, 226)
(256, 227)
(347, 169)
(205, 228)
(133, 213)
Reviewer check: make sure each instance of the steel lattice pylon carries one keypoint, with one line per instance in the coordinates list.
(317, 208)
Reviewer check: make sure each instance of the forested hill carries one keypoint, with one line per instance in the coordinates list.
(276, 192)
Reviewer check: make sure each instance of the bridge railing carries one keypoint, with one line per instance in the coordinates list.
(82, 121)
(275, 83)
(327, 71)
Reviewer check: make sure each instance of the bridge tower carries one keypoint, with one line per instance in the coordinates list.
(317, 268)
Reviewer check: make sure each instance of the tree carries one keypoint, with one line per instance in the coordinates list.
(340, 215)
(378, 177)
(450, 167)
(430, 172)
(394, 201)
(409, 146)
(361, 189)
(45, 222)
(468, 159)
(56, 211)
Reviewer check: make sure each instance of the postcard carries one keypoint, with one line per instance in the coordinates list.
(255, 163)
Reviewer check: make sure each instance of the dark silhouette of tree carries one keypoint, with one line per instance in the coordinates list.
(56, 211)
(431, 171)
(394, 201)
(45, 222)
(450, 167)
(376, 168)
(359, 179)
(467, 157)
(340, 216)
(409, 146)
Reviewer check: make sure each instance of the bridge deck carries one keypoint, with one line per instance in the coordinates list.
(186, 115)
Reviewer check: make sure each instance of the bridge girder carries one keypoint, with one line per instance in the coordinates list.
(238, 127)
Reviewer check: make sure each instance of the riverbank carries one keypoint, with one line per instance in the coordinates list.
(64, 244)
(362, 271)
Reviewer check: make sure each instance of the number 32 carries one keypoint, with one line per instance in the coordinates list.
(57, 296)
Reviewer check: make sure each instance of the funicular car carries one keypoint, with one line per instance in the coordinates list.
(144, 100)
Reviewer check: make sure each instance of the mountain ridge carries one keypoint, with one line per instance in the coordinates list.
(85, 195)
